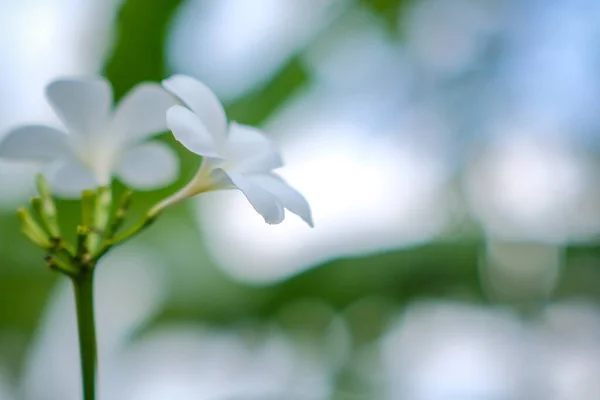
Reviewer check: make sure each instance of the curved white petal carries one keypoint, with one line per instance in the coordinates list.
(263, 201)
(142, 113)
(148, 166)
(189, 130)
(83, 105)
(70, 177)
(34, 143)
(201, 100)
(250, 151)
(288, 196)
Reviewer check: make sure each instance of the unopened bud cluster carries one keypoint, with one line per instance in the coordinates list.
(96, 233)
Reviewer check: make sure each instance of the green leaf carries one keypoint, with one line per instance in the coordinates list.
(257, 106)
(139, 52)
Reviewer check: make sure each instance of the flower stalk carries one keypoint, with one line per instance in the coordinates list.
(83, 285)
(56, 264)
(97, 233)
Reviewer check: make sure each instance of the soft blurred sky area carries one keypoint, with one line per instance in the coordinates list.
(450, 150)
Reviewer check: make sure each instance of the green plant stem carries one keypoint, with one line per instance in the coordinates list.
(83, 285)
(139, 227)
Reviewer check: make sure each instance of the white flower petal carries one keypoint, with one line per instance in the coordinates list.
(263, 201)
(83, 105)
(70, 177)
(201, 100)
(34, 143)
(148, 166)
(189, 130)
(288, 196)
(142, 113)
(250, 151)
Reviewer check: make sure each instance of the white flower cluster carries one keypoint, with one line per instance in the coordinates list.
(99, 143)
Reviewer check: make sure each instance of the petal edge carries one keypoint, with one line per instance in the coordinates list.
(34, 143)
(264, 202)
(287, 195)
(189, 130)
(202, 101)
(142, 113)
(148, 166)
(82, 104)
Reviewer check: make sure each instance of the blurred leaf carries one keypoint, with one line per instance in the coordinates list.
(257, 106)
(389, 10)
(582, 273)
(433, 270)
(139, 52)
(20, 305)
(430, 270)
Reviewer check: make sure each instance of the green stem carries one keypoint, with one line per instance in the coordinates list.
(139, 227)
(83, 285)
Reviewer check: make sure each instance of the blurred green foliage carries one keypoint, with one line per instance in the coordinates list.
(389, 10)
(256, 107)
(139, 51)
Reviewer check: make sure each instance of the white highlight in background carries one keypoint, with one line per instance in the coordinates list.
(367, 193)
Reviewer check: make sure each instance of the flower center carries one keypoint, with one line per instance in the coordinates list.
(99, 155)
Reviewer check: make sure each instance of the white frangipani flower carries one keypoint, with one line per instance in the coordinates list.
(98, 143)
(234, 155)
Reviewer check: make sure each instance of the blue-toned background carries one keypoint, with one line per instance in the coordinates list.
(450, 150)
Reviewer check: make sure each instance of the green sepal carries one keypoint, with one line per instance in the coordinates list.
(33, 230)
(47, 208)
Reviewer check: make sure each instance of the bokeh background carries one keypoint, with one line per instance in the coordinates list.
(450, 150)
